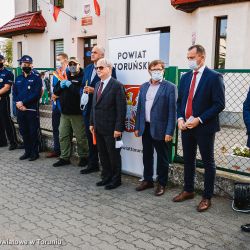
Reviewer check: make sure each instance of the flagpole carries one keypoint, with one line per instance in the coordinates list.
(73, 17)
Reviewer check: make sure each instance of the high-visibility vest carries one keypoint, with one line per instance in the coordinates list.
(60, 75)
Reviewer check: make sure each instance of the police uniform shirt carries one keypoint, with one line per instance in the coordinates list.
(28, 90)
(6, 77)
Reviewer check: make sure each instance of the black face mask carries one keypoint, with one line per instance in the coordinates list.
(1, 65)
(26, 70)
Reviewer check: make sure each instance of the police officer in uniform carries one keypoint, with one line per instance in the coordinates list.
(6, 123)
(26, 94)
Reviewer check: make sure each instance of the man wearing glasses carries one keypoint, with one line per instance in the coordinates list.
(88, 85)
(155, 122)
(107, 122)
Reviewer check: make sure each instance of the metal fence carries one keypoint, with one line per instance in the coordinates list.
(233, 131)
(45, 109)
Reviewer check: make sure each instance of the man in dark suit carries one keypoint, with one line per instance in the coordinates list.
(107, 122)
(155, 122)
(200, 100)
(90, 80)
(246, 117)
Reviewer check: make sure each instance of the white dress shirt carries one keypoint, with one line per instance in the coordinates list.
(93, 73)
(198, 78)
(105, 83)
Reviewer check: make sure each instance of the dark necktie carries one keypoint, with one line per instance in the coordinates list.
(189, 108)
(99, 92)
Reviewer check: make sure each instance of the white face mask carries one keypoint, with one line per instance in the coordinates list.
(84, 100)
(118, 143)
(58, 64)
(157, 75)
(192, 64)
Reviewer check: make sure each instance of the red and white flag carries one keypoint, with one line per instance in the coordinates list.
(97, 8)
(55, 11)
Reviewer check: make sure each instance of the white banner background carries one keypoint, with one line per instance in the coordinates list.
(130, 56)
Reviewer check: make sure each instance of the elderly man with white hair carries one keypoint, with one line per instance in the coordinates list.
(107, 122)
(89, 82)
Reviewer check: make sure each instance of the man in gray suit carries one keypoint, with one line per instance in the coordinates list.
(155, 122)
(107, 122)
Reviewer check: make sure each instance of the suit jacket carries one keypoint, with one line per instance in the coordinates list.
(109, 112)
(208, 101)
(163, 111)
(87, 79)
(246, 112)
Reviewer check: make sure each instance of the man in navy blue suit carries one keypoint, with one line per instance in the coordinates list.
(90, 79)
(246, 117)
(155, 122)
(201, 98)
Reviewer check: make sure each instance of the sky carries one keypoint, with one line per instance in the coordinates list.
(7, 12)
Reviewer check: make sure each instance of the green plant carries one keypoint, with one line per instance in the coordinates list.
(241, 151)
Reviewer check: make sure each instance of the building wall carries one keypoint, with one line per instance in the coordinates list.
(144, 14)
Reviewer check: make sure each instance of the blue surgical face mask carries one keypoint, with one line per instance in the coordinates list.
(192, 64)
(157, 75)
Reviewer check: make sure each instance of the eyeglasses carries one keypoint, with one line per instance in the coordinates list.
(100, 68)
(153, 70)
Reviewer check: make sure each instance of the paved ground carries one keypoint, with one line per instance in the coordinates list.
(38, 201)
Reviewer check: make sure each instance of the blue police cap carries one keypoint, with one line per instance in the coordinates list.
(2, 57)
(25, 59)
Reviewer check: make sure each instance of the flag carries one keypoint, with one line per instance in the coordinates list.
(56, 12)
(97, 8)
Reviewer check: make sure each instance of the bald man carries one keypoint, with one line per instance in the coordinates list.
(89, 81)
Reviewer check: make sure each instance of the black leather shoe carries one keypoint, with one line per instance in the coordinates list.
(20, 146)
(83, 162)
(246, 228)
(103, 182)
(24, 157)
(89, 169)
(12, 147)
(61, 163)
(34, 157)
(112, 185)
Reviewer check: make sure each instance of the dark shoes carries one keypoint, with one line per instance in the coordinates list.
(103, 182)
(183, 196)
(3, 145)
(12, 147)
(246, 228)
(160, 190)
(34, 157)
(204, 205)
(61, 163)
(90, 169)
(113, 185)
(83, 162)
(24, 157)
(52, 155)
(144, 185)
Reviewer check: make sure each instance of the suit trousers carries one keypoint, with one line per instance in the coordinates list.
(6, 121)
(110, 157)
(190, 141)
(161, 148)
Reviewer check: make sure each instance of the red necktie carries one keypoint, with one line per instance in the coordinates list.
(99, 92)
(189, 108)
